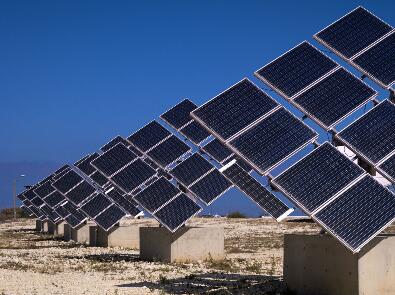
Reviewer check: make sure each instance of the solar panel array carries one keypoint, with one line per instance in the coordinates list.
(387, 168)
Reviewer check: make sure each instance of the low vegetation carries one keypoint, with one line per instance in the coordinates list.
(236, 214)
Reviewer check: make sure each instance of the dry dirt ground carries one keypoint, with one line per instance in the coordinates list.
(36, 263)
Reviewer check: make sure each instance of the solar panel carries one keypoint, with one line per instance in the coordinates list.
(148, 136)
(234, 109)
(48, 178)
(217, 150)
(74, 221)
(387, 168)
(151, 180)
(54, 199)
(50, 213)
(80, 193)
(36, 211)
(210, 187)
(273, 140)
(156, 195)
(378, 62)
(151, 163)
(61, 169)
(168, 151)
(334, 98)
(44, 189)
(114, 159)
(21, 197)
(191, 169)
(74, 211)
(353, 32)
(123, 203)
(26, 210)
(195, 132)
(67, 181)
(110, 217)
(133, 175)
(359, 214)
(177, 212)
(37, 201)
(135, 150)
(373, 135)
(179, 115)
(163, 173)
(99, 178)
(60, 174)
(29, 194)
(258, 193)
(113, 142)
(293, 71)
(243, 164)
(96, 205)
(62, 212)
(318, 177)
(85, 165)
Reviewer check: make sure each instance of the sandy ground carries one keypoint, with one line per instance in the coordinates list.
(35, 263)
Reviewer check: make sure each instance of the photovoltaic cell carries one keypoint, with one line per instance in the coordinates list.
(44, 189)
(335, 97)
(110, 217)
(61, 173)
(195, 132)
(273, 140)
(36, 211)
(135, 150)
(62, 169)
(378, 62)
(148, 136)
(318, 177)
(37, 201)
(114, 159)
(113, 142)
(29, 194)
(50, 213)
(258, 193)
(359, 214)
(80, 193)
(67, 181)
(163, 173)
(388, 167)
(179, 115)
(123, 203)
(54, 199)
(74, 221)
(373, 135)
(151, 163)
(177, 212)
(156, 195)
(26, 210)
(234, 109)
(62, 212)
(168, 151)
(296, 69)
(133, 175)
(21, 197)
(217, 150)
(85, 165)
(99, 178)
(353, 32)
(191, 169)
(96, 205)
(211, 186)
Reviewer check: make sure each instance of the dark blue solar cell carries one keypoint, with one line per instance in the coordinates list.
(36, 211)
(133, 175)
(151, 163)
(179, 115)
(195, 132)
(273, 140)
(191, 169)
(177, 212)
(50, 213)
(156, 195)
(74, 221)
(37, 201)
(113, 142)
(80, 193)
(48, 178)
(67, 182)
(44, 189)
(372, 135)
(319, 176)
(235, 109)
(163, 173)
(114, 159)
(61, 173)
(110, 217)
(148, 136)
(360, 213)
(123, 203)
(61, 169)
(353, 32)
(29, 193)
(334, 97)
(388, 167)
(135, 150)
(96, 205)
(296, 69)
(62, 212)
(379, 61)
(168, 151)
(217, 150)
(21, 197)
(54, 199)
(254, 190)
(210, 187)
(99, 178)
(85, 164)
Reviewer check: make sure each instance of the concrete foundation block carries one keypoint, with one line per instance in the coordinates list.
(118, 236)
(320, 265)
(59, 229)
(186, 245)
(48, 227)
(39, 225)
(81, 234)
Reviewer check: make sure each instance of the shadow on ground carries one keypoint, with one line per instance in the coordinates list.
(216, 283)
(107, 257)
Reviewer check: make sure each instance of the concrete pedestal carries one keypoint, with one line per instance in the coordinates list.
(118, 236)
(59, 229)
(320, 265)
(66, 232)
(81, 234)
(48, 227)
(186, 245)
(39, 225)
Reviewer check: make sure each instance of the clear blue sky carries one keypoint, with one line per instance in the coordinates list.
(73, 74)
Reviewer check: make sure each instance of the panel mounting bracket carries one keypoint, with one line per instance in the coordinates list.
(392, 95)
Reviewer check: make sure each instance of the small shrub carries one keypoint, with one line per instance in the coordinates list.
(236, 214)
